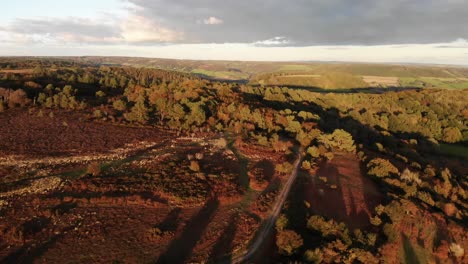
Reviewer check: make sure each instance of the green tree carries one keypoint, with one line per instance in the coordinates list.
(452, 135)
(119, 105)
(381, 168)
(139, 112)
(288, 242)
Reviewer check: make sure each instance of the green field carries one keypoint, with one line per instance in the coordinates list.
(221, 75)
(433, 82)
(454, 150)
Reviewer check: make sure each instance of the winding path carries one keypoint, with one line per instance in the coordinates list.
(271, 220)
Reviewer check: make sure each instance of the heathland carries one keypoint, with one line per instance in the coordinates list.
(133, 160)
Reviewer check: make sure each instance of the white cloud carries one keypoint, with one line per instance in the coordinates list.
(138, 29)
(213, 21)
(71, 30)
(276, 41)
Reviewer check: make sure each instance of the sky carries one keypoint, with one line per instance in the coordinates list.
(406, 31)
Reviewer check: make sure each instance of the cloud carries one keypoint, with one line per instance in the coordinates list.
(457, 44)
(112, 30)
(213, 21)
(313, 22)
(276, 41)
(138, 29)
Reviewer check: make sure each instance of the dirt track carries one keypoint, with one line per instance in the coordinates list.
(271, 220)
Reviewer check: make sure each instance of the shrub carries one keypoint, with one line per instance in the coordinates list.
(306, 165)
(285, 167)
(457, 250)
(452, 135)
(119, 105)
(94, 169)
(313, 256)
(381, 168)
(97, 113)
(313, 152)
(410, 176)
(194, 166)
(426, 197)
(281, 223)
(288, 242)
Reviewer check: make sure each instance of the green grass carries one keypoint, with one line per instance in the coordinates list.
(454, 150)
(428, 82)
(296, 67)
(223, 75)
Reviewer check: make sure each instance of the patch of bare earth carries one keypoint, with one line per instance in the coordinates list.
(340, 190)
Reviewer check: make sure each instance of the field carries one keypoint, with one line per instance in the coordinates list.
(425, 82)
(381, 81)
(221, 75)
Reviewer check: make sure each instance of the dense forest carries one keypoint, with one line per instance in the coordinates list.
(411, 142)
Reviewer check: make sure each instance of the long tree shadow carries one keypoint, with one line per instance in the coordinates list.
(223, 245)
(180, 249)
(170, 222)
(370, 90)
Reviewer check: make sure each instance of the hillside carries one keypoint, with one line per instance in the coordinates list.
(101, 162)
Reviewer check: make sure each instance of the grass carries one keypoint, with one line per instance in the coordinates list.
(413, 254)
(454, 150)
(425, 82)
(223, 75)
(296, 67)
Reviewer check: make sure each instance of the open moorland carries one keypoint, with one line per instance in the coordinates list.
(130, 160)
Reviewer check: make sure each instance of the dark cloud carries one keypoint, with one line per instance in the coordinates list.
(312, 22)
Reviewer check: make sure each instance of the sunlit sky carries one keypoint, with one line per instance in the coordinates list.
(407, 31)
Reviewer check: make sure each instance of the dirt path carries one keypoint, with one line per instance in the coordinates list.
(270, 222)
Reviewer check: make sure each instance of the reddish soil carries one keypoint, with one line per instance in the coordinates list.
(347, 196)
(66, 134)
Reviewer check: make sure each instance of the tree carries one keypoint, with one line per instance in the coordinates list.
(139, 112)
(314, 152)
(100, 94)
(281, 223)
(119, 105)
(452, 135)
(381, 168)
(288, 242)
(18, 98)
(339, 139)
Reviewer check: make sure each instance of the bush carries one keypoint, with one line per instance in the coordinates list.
(285, 167)
(281, 223)
(313, 256)
(94, 169)
(339, 139)
(119, 105)
(100, 94)
(457, 250)
(306, 165)
(381, 168)
(452, 135)
(288, 242)
(410, 176)
(313, 152)
(194, 166)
